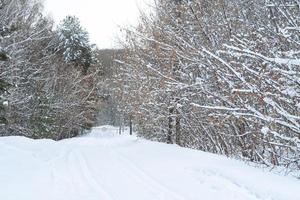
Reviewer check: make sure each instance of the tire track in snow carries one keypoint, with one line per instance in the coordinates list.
(123, 173)
(144, 177)
(89, 179)
(68, 165)
(62, 175)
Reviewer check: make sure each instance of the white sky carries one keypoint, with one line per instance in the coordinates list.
(101, 18)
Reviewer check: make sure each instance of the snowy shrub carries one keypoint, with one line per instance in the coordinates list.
(219, 76)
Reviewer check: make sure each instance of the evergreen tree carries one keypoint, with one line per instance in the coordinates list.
(75, 43)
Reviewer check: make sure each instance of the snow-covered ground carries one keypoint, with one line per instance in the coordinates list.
(106, 166)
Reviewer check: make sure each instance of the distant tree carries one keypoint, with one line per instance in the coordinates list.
(75, 43)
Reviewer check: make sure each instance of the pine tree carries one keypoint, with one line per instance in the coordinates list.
(75, 43)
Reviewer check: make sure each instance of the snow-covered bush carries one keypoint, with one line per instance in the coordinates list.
(219, 76)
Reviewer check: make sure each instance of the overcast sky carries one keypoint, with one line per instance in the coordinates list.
(101, 18)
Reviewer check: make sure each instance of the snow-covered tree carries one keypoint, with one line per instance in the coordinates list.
(3, 103)
(3, 89)
(75, 43)
(48, 98)
(219, 76)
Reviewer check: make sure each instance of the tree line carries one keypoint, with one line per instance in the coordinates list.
(219, 76)
(48, 75)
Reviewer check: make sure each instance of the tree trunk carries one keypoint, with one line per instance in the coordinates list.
(169, 136)
(177, 128)
(130, 125)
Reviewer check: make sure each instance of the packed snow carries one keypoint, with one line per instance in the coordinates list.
(104, 165)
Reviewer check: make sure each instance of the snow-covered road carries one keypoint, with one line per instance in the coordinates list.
(106, 166)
